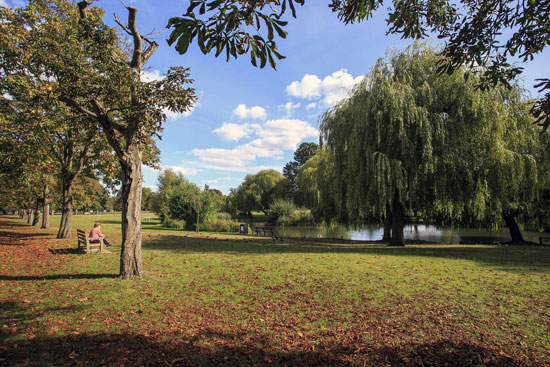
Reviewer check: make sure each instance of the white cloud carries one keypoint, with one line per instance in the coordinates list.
(210, 181)
(332, 89)
(150, 76)
(171, 115)
(255, 112)
(311, 106)
(4, 4)
(308, 87)
(289, 108)
(232, 132)
(273, 139)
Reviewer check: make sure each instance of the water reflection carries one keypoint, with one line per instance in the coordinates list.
(411, 232)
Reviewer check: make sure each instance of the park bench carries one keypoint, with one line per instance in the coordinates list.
(543, 239)
(84, 241)
(266, 232)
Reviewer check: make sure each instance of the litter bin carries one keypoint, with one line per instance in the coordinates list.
(243, 228)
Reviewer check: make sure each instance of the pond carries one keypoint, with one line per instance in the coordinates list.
(412, 232)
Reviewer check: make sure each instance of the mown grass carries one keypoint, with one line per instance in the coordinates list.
(211, 299)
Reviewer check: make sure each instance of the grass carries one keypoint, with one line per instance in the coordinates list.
(213, 299)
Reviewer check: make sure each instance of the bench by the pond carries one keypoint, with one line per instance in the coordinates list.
(543, 239)
(266, 231)
(89, 245)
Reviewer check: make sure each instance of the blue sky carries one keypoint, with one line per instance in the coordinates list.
(246, 118)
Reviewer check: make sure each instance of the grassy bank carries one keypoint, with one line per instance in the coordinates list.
(234, 300)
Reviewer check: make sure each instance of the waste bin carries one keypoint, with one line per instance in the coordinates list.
(243, 228)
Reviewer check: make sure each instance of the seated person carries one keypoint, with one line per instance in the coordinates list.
(96, 233)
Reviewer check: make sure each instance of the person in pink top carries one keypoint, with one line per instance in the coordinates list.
(96, 233)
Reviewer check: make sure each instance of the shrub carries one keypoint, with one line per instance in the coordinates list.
(281, 211)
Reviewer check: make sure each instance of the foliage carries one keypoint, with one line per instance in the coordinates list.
(436, 144)
(259, 190)
(89, 194)
(182, 201)
(486, 35)
(281, 211)
(304, 152)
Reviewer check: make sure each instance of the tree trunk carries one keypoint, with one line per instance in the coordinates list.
(387, 225)
(36, 214)
(197, 227)
(130, 257)
(66, 216)
(398, 221)
(45, 215)
(513, 228)
(30, 216)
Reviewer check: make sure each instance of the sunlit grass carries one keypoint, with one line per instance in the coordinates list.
(297, 295)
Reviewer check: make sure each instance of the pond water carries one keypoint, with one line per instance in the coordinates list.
(412, 232)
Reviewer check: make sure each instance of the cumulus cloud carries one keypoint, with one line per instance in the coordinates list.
(232, 132)
(288, 108)
(255, 112)
(309, 87)
(311, 106)
(332, 89)
(273, 138)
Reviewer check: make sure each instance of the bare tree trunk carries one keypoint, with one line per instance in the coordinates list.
(66, 216)
(398, 222)
(197, 227)
(30, 216)
(387, 225)
(130, 258)
(36, 217)
(513, 228)
(45, 215)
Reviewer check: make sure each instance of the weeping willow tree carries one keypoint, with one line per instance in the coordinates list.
(408, 140)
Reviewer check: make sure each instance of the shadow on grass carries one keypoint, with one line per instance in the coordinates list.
(7, 234)
(234, 349)
(57, 277)
(514, 258)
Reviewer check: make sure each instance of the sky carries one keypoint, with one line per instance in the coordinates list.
(248, 119)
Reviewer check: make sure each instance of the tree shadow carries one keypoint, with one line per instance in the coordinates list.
(57, 277)
(7, 234)
(511, 258)
(211, 348)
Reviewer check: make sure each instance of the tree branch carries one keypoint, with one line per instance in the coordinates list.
(72, 103)
(109, 128)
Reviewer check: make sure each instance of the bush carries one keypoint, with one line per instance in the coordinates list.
(173, 223)
(220, 225)
(281, 211)
(223, 216)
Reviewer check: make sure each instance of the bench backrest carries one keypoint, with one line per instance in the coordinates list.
(82, 236)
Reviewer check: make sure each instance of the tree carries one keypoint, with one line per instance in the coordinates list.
(408, 140)
(259, 190)
(304, 152)
(99, 80)
(484, 35)
(147, 198)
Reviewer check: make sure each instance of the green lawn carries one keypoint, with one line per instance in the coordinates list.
(214, 299)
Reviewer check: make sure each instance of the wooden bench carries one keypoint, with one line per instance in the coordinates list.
(266, 232)
(84, 241)
(542, 239)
